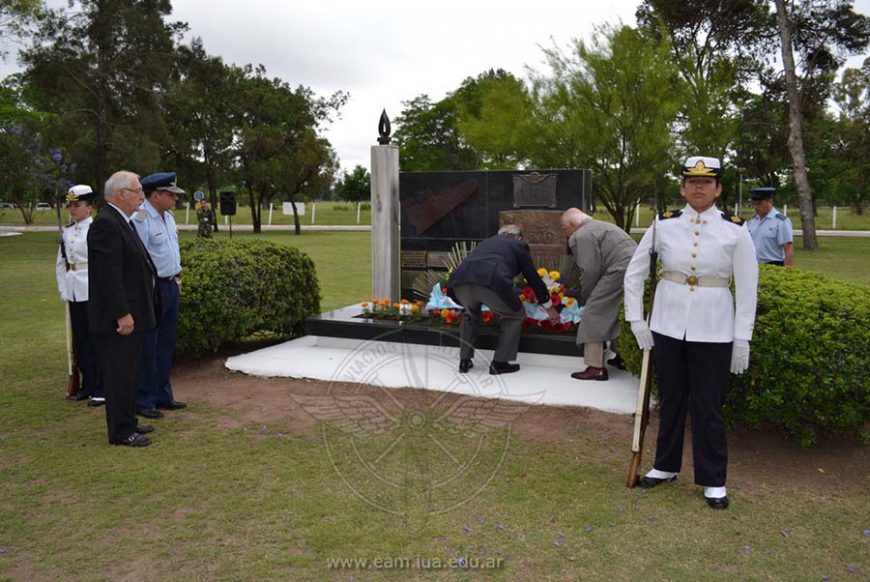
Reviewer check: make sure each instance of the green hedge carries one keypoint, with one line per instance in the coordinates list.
(809, 371)
(232, 289)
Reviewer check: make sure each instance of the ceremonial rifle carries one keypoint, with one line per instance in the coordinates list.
(641, 411)
(73, 382)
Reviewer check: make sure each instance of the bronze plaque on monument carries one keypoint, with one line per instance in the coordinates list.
(543, 232)
(535, 189)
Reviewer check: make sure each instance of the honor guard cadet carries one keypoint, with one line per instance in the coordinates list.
(155, 225)
(771, 230)
(72, 282)
(695, 331)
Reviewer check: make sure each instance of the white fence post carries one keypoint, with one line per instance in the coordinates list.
(226, 220)
(834, 221)
(785, 210)
(637, 214)
(358, 207)
(313, 211)
(271, 206)
(187, 215)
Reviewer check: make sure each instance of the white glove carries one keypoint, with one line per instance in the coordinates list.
(642, 334)
(739, 356)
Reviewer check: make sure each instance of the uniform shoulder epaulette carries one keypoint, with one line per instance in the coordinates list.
(781, 217)
(727, 216)
(70, 224)
(670, 214)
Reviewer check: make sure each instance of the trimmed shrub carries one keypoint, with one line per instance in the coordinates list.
(232, 289)
(809, 370)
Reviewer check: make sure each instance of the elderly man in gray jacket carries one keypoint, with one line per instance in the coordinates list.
(602, 252)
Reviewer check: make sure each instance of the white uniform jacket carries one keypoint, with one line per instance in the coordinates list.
(710, 244)
(73, 283)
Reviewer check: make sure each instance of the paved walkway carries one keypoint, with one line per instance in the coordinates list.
(543, 379)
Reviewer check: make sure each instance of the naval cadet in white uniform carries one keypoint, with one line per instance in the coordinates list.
(72, 283)
(698, 332)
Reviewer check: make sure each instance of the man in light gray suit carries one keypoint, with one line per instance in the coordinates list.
(602, 252)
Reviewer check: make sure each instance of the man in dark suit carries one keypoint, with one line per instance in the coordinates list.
(122, 304)
(486, 277)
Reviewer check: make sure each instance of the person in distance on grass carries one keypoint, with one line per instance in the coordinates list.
(155, 225)
(122, 304)
(697, 332)
(486, 277)
(771, 230)
(602, 251)
(72, 282)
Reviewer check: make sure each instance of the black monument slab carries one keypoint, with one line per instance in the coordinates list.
(347, 323)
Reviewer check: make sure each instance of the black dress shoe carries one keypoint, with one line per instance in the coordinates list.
(77, 396)
(465, 366)
(174, 405)
(95, 402)
(149, 413)
(648, 482)
(144, 428)
(496, 368)
(135, 440)
(617, 362)
(718, 502)
(591, 373)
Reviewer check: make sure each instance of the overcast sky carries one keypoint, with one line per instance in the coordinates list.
(389, 51)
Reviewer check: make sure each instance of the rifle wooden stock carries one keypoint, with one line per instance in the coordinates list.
(641, 420)
(641, 410)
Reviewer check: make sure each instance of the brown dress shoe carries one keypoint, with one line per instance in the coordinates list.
(591, 373)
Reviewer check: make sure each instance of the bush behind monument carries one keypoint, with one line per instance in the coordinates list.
(233, 289)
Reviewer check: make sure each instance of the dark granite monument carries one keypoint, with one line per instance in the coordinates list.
(440, 209)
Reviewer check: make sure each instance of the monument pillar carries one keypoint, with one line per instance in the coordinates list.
(386, 212)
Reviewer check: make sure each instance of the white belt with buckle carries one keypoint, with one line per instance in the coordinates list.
(78, 266)
(694, 280)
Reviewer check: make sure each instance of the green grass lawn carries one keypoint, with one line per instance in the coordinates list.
(259, 502)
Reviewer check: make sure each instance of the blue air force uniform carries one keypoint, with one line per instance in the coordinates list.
(770, 232)
(159, 234)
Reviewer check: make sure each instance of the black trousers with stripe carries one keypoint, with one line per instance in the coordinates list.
(692, 374)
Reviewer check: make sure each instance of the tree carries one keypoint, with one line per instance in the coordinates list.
(795, 138)
(356, 186)
(15, 18)
(103, 70)
(711, 44)
(495, 119)
(429, 139)
(610, 107)
(851, 151)
(199, 107)
(276, 146)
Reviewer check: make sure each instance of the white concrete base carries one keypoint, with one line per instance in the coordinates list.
(542, 380)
